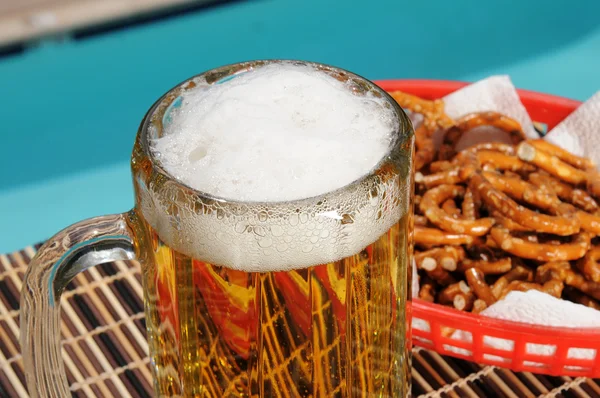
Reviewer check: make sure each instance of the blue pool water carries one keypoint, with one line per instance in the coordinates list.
(69, 110)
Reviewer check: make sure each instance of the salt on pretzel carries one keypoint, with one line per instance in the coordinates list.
(588, 265)
(491, 146)
(520, 190)
(497, 267)
(449, 176)
(436, 237)
(454, 133)
(541, 251)
(476, 281)
(430, 206)
(496, 200)
(565, 156)
(551, 164)
(470, 205)
(577, 197)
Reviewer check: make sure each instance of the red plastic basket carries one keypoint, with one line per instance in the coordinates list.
(546, 109)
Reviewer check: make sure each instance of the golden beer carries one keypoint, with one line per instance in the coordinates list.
(331, 330)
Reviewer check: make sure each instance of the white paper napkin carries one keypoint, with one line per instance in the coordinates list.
(536, 308)
(579, 133)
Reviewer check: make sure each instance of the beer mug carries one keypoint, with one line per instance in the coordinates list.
(290, 298)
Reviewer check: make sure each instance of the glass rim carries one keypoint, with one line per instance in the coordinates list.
(403, 134)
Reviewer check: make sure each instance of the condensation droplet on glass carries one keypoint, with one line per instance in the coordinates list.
(276, 230)
(324, 233)
(307, 248)
(287, 239)
(240, 227)
(259, 230)
(281, 247)
(314, 239)
(265, 242)
(263, 216)
(294, 219)
(303, 218)
(220, 214)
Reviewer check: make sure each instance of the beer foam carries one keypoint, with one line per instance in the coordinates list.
(279, 141)
(278, 132)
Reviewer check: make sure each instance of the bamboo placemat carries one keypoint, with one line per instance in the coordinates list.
(106, 354)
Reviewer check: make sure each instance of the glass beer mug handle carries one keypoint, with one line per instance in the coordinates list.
(76, 248)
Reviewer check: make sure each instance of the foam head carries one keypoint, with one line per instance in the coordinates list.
(276, 141)
(277, 132)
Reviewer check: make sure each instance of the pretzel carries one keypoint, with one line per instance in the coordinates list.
(491, 146)
(554, 270)
(518, 273)
(520, 190)
(470, 205)
(433, 236)
(565, 156)
(495, 211)
(551, 164)
(430, 207)
(476, 282)
(440, 165)
(420, 220)
(579, 282)
(589, 266)
(450, 176)
(577, 197)
(478, 306)
(425, 148)
(508, 223)
(433, 269)
(581, 298)
(593, 183)
(453, 134)
(449, 206)
(433, 111)
(498, 267)
(447, 295)
(500, 161)
(496, 200)
(447, 257)
(434, 117)
(552, 287)
(427, 292)
(541, 251)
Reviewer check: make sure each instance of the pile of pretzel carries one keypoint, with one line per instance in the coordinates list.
(496, 217)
